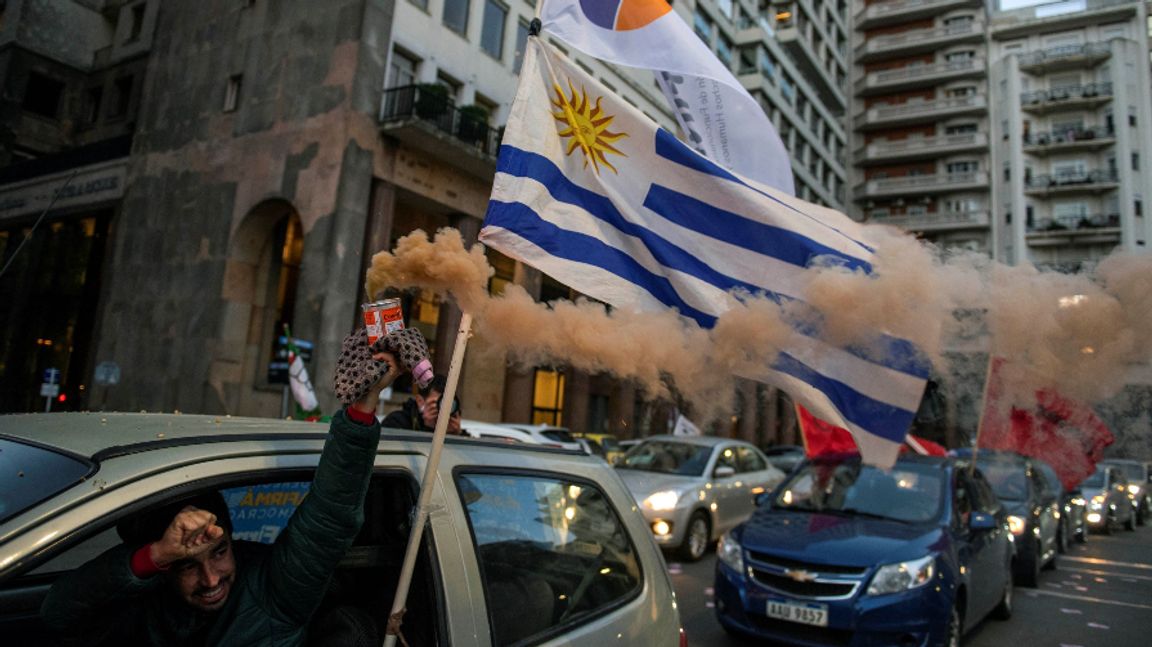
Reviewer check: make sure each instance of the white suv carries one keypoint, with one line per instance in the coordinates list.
(522, 433)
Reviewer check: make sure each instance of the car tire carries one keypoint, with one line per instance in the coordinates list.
(1003, 610)
(696, 536)
(954, 629)
(1028, 569)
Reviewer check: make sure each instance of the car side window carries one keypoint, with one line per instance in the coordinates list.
(961, 502)
(726, 457)
(552, 552)
(983, 498)
(750, 460)
(1040, 485)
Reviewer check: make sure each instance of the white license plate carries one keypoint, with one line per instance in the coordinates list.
(808, 614)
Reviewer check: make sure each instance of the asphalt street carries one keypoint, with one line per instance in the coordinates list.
(1099, 595)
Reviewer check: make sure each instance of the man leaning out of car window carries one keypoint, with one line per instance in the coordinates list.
(179, 579)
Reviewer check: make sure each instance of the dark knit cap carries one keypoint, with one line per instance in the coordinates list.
(150, 525)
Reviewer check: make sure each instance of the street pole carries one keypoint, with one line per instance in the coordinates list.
(396, 616)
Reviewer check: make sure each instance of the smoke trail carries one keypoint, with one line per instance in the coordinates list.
(1078, 334)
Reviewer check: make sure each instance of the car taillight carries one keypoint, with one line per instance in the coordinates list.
(683, 638)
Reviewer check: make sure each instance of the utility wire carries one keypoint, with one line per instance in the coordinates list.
(31, 232)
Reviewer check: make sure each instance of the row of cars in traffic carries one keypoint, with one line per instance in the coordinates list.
(533, 541)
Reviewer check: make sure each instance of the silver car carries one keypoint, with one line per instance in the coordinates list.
(692, 489)
(1109, 502)
(1138, 490)
(525, 544)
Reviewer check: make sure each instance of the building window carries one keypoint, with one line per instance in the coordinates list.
(703, 26)
(121, 96)
(548, 397)
(423, 4)
(456, 15)
(92, 99)
(42, 95)
(724, 50)
(136, 24)
(1135, 161)
(232, 92)
(962, 167)
(504, 271)
(402, 70)
(521, 44)
(492, 34)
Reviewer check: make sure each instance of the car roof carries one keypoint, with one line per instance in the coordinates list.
(709, 441)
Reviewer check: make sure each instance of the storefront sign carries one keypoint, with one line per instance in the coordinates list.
(93, 184)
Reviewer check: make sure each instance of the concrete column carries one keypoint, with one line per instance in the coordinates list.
(770, 401)
(518, 386)
(576, 400)
(449, 312)
(747, 423)
(381, 215)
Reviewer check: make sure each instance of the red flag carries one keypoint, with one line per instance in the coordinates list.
(1066, 434)
(822, 438)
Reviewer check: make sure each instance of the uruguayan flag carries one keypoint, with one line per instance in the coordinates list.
(593, 193)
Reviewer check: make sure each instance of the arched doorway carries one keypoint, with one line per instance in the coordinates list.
(262, 274)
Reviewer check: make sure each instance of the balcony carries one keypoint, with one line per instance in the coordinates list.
(1072, 97)
(921, 184)
(916, 76)
(898, 11)
(1056, 16)
(1082, 230)
(936, 222)
(919, 148)
(796, 39)
(918, 41)
(1063, 141)
(920, 112)
(1065, 57)
(431, 123)
(1097, 181)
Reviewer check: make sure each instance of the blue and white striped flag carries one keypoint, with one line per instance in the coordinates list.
(596, 195)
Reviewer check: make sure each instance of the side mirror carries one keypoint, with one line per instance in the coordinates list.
(981, 521)
(723, 472)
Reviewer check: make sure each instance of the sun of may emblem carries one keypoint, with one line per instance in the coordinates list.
(587, 126)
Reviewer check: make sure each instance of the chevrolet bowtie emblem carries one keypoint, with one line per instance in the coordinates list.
(799, 575)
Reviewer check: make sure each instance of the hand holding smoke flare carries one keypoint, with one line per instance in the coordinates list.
(357, 370)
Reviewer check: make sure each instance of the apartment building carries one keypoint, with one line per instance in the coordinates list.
(1017, 132)
(791, 56)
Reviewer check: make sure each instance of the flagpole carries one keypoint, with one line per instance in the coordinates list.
(396, 616)
(983, 411)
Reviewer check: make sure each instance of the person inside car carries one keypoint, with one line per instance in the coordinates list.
(180, 579)
(419, 412)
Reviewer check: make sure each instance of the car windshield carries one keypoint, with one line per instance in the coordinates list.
(31, 474)
(1096, 481)
(610, 443)
(668, 457)
(1135, 473)
(910, 492)
(1008, 480)
(558, 435)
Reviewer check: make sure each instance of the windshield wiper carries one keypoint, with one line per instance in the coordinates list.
(856, 512)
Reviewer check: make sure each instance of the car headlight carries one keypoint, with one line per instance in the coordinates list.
(1133, 489)
(663, 500)
(1097, 502)
(1078, 501)
(729, 552)
(1016, 524)
(904, 576)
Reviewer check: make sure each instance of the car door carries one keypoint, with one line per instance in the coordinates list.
(1118, 494)
(1046, 508)
(733, 499)
(987, 566)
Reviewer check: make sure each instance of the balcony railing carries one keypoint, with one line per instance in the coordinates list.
(918, 36)
(1074, 179)
(1067, 93)
(941, 220)
(915, 109)
(914, 145)
(888, 8)
(1065, 54)
(1075, 223)
(1068, 135)
(912, 73)
(440, 112)
(910, 183)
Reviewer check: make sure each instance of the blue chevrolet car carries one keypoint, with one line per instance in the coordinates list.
(846, 554)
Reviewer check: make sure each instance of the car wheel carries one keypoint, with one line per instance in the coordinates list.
(1062, 537)
(954, 629)
(1028, 569)
(696, 537)
(1003, 611)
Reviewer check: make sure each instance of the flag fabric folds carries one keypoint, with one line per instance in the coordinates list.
(299, 382)
(594, 194)
(1066, 434)
(822, 438)
(720, 119)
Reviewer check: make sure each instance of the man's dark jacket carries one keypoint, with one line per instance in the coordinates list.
(406, 417)
(276, 589)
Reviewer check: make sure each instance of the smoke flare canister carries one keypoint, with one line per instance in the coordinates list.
(382, 317)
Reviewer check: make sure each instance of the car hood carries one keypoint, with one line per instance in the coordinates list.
(641, 483)
(838, 539)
